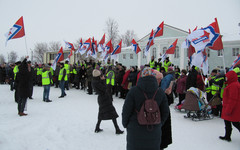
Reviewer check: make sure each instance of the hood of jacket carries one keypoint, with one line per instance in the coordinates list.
(148, 83)
(231, 77)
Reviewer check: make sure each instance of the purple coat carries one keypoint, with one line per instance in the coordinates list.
(181, 84)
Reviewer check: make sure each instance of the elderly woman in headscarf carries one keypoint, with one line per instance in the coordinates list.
(138, 136)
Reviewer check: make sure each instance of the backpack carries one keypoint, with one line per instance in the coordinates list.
(149, 113)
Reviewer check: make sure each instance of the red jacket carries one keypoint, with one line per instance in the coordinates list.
(125, 80)
(231, 98)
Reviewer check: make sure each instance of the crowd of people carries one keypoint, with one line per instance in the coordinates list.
(128, 84)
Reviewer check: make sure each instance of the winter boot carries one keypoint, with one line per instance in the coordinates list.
(97, 129)
(227, 136)
(118, 131)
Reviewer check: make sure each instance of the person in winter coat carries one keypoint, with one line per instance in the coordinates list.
(139, 136)
(192, 78)
(22, 80)
(167, 127)
(106, 108)
(125, 83)
(231, 105)
(132, 78)
(83, 75)
(89, 79)
(181, 86)
(46, 83)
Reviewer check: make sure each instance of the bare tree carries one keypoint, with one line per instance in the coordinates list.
(2, 59)
(54, 46)
(12, 57)
(39, 50)
(128, 36)
(112, 31)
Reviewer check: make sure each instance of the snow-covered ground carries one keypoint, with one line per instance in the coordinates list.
(68, 124)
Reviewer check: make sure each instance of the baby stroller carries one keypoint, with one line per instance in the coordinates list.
(196, 106)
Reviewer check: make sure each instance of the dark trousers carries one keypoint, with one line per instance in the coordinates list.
(56, 82)
(21, 104)
(30, 89)
(16, 95)
(62, 87)
(114, 123)
(46, 91)
(181, 98)
(11, 84)
(89, 87)
(228, 127)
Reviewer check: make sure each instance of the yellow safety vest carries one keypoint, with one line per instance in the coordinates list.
(45, 78)
(152, 64)
(15, 71)
(60, 76)
(112, 79)
(166, 65)
(67, 67)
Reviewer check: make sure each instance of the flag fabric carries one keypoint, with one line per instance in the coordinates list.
(159, 31)
(163, 57)
(217, 43)
(93, 50)
(101, 44)
(187, 44)
(235, 62)
(80, 45)
(58, 58)
(69, 55)
(149, 44)
(69, 45)
(118, 49)
(171, 49)
(86, 46)
(206, 37)
(17, 30)
(135, 47)
(200, 60)
(109, 47)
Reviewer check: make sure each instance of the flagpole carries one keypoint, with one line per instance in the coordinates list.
(26, 45)
(223, 61)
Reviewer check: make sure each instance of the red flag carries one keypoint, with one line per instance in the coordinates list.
(17, 31)
(159, 30)
(217, 45)
(118, 48)
(171, 49)
(109, 47)
(60, 53)
(135, 47)
(102, 40)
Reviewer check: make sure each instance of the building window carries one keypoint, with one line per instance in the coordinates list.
(143, 54)
(131, 56)
(208, 52)
(220, 53)
(176, 54)
(154, 52)
(235, 51)
(52, 56)
(65, 55)
(164, 50)
(124, 56)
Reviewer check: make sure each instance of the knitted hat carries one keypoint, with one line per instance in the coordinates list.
(96, 73)
(147, 71)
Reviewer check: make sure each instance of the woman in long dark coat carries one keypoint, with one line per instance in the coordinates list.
(106, 108)
(138, 136)
(22, 80)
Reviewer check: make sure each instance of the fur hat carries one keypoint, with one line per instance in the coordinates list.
(96, 73)
(147, 71)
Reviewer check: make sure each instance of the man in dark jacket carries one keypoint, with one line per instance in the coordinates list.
(22, 80)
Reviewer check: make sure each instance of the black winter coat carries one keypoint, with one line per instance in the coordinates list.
(138, 136)
(106, 108)
(23, 79)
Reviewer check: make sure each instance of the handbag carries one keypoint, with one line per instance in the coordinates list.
(216, 101)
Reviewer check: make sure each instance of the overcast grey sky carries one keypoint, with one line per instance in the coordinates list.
(58, 20)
